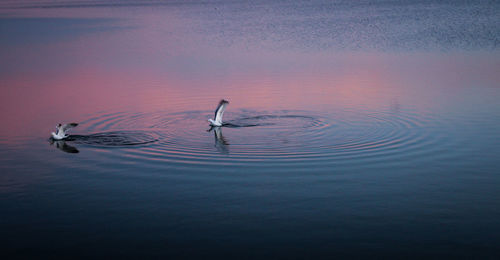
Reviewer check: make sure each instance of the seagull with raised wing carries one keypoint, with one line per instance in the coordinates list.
(219, 112)
(61, 131)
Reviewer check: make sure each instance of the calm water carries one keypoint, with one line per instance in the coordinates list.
(367, 129)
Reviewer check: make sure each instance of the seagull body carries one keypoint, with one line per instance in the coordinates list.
(61, 131)
(219, 112)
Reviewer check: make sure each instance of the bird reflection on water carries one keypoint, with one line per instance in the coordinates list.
(63, 146)
(221, 143)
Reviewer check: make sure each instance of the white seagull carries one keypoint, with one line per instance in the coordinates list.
(217, 121)
(61, 131)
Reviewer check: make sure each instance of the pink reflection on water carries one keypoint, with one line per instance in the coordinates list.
(158, 62)
(43, 100)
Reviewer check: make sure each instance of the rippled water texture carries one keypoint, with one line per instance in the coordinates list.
(354, 129)
(283, 140)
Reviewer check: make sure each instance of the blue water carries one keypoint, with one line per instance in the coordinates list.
(362, 129)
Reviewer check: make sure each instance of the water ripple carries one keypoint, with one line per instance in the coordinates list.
(295, 139)
(114, 139)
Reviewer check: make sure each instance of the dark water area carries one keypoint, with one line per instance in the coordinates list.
(365, 129)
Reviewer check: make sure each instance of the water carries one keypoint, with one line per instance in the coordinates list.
(355, 129)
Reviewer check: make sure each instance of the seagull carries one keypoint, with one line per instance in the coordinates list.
(217, 121)
(61, 131)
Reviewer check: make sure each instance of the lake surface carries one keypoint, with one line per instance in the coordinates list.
(359, 130)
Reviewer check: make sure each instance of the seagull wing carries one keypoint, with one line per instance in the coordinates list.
(220, 110)
(66, 127)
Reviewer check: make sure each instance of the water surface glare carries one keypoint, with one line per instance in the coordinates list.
(354, 130)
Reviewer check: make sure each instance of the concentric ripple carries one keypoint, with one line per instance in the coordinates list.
(116, 138)
(291, 140)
